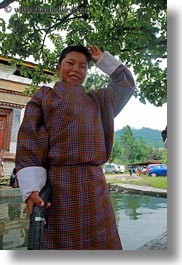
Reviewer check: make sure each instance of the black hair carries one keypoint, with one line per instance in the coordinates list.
(164, 134)
(75, 48)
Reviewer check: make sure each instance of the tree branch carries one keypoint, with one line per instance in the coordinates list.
(63, 20)
(163, 42)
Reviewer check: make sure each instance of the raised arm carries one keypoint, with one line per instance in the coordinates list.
(122, 86)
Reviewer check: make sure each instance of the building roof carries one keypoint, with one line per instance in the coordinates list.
(6, 60)
(146, 163)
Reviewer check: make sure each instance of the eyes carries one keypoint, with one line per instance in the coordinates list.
(82, 66)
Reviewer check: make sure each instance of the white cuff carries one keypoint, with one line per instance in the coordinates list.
(31, 179)
(108, 63)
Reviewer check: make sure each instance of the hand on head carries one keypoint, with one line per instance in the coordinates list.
(95, 52)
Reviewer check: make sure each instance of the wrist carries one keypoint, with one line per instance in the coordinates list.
(95, 60)
(108, 63)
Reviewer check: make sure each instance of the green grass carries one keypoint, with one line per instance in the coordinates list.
(155, 182)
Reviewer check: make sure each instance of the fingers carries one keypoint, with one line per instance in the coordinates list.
(29, 206)
(48, 205)
(96, 53)
(93, 48)
(34, 198)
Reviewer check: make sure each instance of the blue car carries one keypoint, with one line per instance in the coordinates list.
(157, 170)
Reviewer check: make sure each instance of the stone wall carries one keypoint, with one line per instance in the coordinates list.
(17, 118)
(8, 168)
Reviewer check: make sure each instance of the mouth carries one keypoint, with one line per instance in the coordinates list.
(74, 77)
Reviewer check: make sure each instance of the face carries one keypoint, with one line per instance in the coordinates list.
(73, 68)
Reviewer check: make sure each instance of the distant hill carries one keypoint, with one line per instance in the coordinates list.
(150, 136)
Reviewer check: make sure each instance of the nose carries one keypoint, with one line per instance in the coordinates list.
(76, 68)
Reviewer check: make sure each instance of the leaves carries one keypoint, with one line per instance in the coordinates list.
(133, 30)
(134, 151)
(96, 81)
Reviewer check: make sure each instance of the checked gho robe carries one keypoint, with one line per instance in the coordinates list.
(66, 136)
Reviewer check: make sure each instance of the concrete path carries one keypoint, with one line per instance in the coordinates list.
(137, 189)
(158, 243)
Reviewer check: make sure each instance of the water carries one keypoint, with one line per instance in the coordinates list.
(139, 220)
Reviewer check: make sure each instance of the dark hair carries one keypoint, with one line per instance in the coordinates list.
(164, 134)
(75, 48)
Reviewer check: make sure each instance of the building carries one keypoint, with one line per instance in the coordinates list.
(12, 106)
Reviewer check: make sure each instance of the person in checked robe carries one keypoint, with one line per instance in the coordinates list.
(65, 137)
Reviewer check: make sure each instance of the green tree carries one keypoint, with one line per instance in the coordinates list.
(132, 150)
(164, 154)
(129, 145)
(133, 30)
(96, 81)
(116, 152)
(142, 151)
(158, 154)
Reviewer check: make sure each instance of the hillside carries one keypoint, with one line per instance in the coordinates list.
(150, 136)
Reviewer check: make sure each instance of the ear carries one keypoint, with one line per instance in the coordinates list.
(58, 68)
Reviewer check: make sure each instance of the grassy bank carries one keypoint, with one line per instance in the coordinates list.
(155, 182)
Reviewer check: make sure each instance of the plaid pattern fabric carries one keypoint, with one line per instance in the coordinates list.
(70, 133)
(82, 217)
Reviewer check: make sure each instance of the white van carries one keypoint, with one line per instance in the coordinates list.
(121, 168)
(109, 168)
(113, 168)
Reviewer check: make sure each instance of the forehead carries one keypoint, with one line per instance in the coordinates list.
(78, 56)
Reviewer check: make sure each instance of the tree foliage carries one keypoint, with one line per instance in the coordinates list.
(137, 151)
(133, 30)
(116, 153)
(129, 146)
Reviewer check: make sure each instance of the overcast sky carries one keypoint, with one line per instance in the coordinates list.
(138, 115)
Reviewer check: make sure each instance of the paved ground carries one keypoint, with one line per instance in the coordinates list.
(133, 188)
(158, 243)
(122, 176)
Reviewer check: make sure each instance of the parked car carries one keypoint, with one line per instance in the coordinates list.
(155, 170)
(116, 169)
(103, 168)
(109, 168)
(148, 167)
(144, 170)
(113, 168)
(121, 169)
